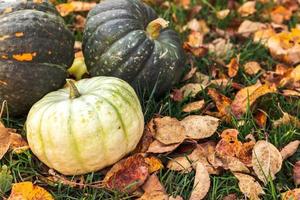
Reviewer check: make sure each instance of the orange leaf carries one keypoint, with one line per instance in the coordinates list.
(252, 68)
(74, 6)
(222, 102)
(291, 194)
(154, 164)
(194, 106)
(24, 56)
(233, 67)
(280, 14)
(28, 191)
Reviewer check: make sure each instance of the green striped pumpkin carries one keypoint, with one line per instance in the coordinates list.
(86, 127)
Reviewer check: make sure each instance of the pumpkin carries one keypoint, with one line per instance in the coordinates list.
(93, 126)
(35, 50)
(118, 41)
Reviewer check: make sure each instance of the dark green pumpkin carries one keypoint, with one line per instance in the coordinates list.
(36, 48)
(115, 43)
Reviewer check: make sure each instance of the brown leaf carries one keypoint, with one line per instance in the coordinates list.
(154, 164)
(199, 127)
(287, 119)
(28, 191)
(233, 67)
(194, 106)
(158, 147)
(266, 160)
(248, 95)
(201, 182)
(280, 14)
(222, 102)
(177, 95)
(74, 6)
(291, 194)
(146, 139)
(296, 173)
(190, 74)
(17, 143)
(220, 47)
(154, 189)
(289, 93)
(4, 141)
(195, 39)
(230, 197)
(234, 164)
(79, 22)
(175, 198)
(169, 130)
(182, 163)
(252, 68)
(192, 89)
(222, 14)
(260, 118)
(127, 174)
(289, 149)
(291, 78)
(248, 27)
(198, 26)
(263, 35)
(249, 186)
(248, 8)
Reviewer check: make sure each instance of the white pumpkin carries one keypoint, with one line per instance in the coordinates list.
(86, 127)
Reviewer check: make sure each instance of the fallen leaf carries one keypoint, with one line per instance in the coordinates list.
(249, 186)
(292, 78)
(74, 6)
(175, 198)
(127, 174)
(252, 68)
(177, 95)
(192, 89)
(234, 164)
(154, 164)
(199, 127)
(233, 67)
(260, 118)
(262, 36)
(248, 95)
(296, 173)
(222, 102)
(220, 47)
(169, 130)
(280, 14)
(289, 93)
(153, 189)
(184, 3)
(194, 106)
(158, 147)
(28, 191)
(287, 119)
(289, 149)
(230, 197)
(190, 74)
(222, 14)
(266, 160)
(248, 8)
(17, 143)
(147, 138)
(248, 27)
(182, 163)
(291, 194)
(5, 179)
(195, 39)
(198, 26)
(4, 141)
(80, 22)
(201, 182)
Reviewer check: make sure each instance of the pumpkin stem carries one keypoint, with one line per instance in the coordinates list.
(154, 27)
(74, 93)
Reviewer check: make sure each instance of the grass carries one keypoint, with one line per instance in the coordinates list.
(26, 167)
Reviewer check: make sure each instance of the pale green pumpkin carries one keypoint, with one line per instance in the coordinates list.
(85, 131)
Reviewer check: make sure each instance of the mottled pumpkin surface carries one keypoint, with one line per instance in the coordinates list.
(36, 48)
(87, 133)
(116, 44)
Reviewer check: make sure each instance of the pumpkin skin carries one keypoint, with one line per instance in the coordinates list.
(115, 43)
(36, 48)
(87, 133)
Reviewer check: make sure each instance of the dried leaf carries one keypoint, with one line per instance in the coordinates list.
(28, 191)
(263, 35)
(234, 164)
(291, 194)
(154, 189)
(177, 95)
(201, 182)
(289, 149)
(220, 47)
(181, 163)
(287, 119)
(248, 27)
(296, 173)
(146, 139)
(260, 118)
(169, 130)
(249, 186)
(158, 147)
(280, 14)
(291, 79)
(233, 67)
(266, 160)
(252, 68)
(248, 8)
(17, 143)
(194, 106)
(289, 93)
(248, 95)
(4, 141)
(230, 197)
(192, 89)
(127, 174)
(190, 74)
(199, 127)
(222, 102)
(195, 39)
(222, 14)
(154, 164)
(74, 6)
(175, 198)
(198, 26)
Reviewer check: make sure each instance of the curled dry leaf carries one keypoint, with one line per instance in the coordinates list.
(154, 164)
(296, 173)
(280, 14)
(289, 149)
(287, 119)
(291, 194)
(222, 14)
(248, 27)
(158, 147)
(248, 8)
(199, 127)
(169, 130)
(291, 79)
(194, 106)
(201, 182)
(266, 160)
(74, 6)
(154, 189)
(248, 95)
(233, 67)
(222, 102)
(252, 68)
(28, 191)
(127, 174)
(249, 186)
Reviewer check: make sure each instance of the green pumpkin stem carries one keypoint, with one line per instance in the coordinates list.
(154, 27)
(74, 93)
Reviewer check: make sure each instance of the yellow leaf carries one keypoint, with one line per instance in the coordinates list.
(28, 191)
(154, 164)
(247, 8)
(74, 6)
(252, 68)
(222, 14)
